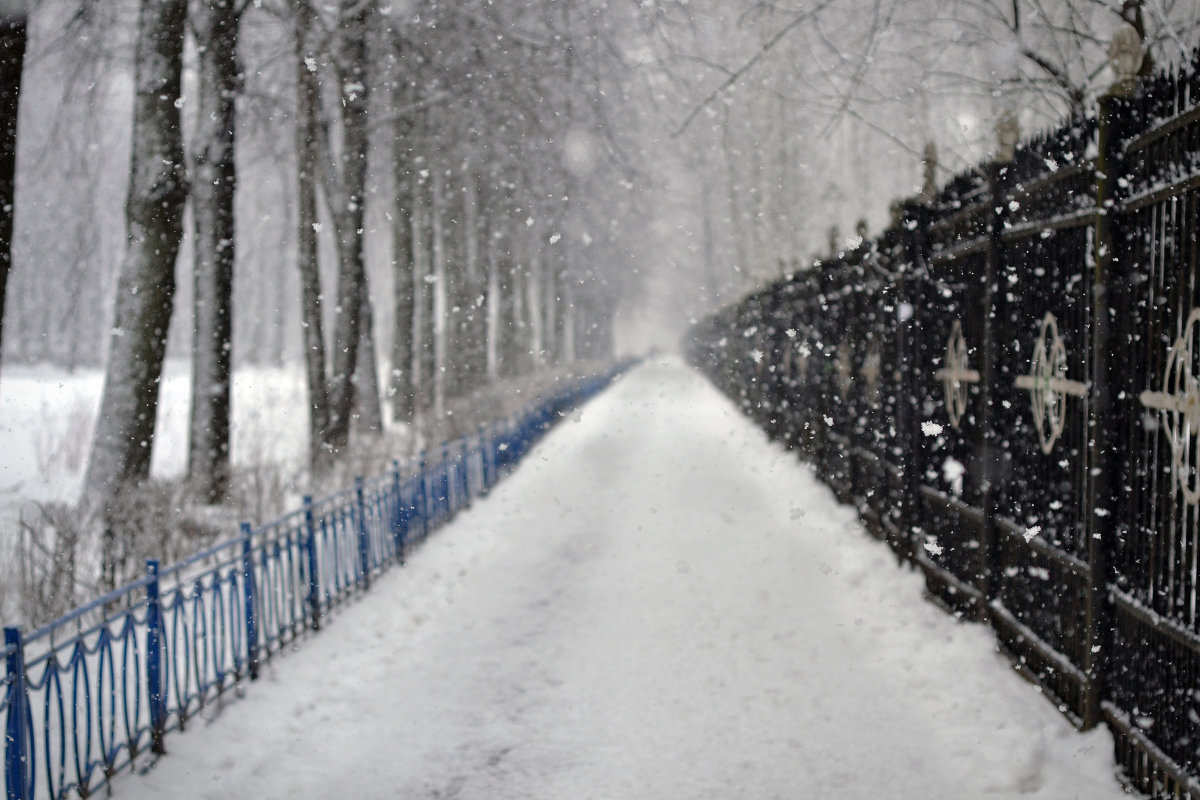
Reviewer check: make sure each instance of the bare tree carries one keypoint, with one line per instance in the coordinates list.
(215, 181)
(353, 25)
(124, 436)
(307, 100)
(368, 410)
(400, 386)
(344, 179)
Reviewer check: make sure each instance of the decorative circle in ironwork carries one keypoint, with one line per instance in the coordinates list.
(871, 370)
(803, 351)
(1179, 403)
(1048, 385)
(956, 375)
(845, 368)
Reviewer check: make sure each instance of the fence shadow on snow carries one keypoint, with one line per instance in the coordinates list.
(1006, 383)
(87, 694)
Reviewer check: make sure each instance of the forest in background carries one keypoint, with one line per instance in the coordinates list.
(825, 120)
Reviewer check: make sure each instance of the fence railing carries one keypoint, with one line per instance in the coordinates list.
(87, 694)
(1006, 383)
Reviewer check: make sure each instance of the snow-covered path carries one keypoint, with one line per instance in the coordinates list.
(658, 604)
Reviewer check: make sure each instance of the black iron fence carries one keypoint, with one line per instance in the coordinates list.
(1006, 383)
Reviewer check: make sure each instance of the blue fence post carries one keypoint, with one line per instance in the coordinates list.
(154, 658)
(364, 552)
(485, 475)
(248, 586)
(446, 481)
(314, 578)
(500, 445)
(497, 434)
(400, 523)
(465, 459)
(435, 502)
(461, 500)
(423, 495)
(18, 759)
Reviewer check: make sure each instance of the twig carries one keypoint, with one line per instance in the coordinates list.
(737, 74)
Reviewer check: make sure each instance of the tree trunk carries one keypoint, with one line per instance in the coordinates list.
(124, 436)
(146, 287)
(492, 327)
(440, 318)
(401, 386)
(473, 353)
(535, 305)
(403, 268)
(352, 56)
(519, 333)
(422, 362)
(213, 187)
(567, 313)
(366, 374)
(12, 59)
(306, 239)
(559, 308)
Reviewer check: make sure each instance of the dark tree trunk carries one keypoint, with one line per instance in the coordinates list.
(422, 361)
(493, 321)
(558, 305)
(516, 330)
(124, 437)
(214, 183)
(306, 256)
(439, 317)
(366, 376)
(352, 57)
(403, 266)
(474, 296)
(12, 59)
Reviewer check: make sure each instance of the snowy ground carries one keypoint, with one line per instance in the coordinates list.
(658, 604)
(47, 416)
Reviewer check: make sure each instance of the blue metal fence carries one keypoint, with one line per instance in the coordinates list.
(85, 695)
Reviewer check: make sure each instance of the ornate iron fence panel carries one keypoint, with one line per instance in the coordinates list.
(886, 359)
(1044, 417)
(1041, 411)
(949, 294)
(1156, 647)
(838, 372)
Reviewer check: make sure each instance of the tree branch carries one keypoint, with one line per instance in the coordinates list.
(737, 74)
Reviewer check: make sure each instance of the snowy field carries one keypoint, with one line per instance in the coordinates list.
(658, 604)
(47, 415)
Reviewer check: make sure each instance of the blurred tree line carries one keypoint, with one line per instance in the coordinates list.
(300, 166)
